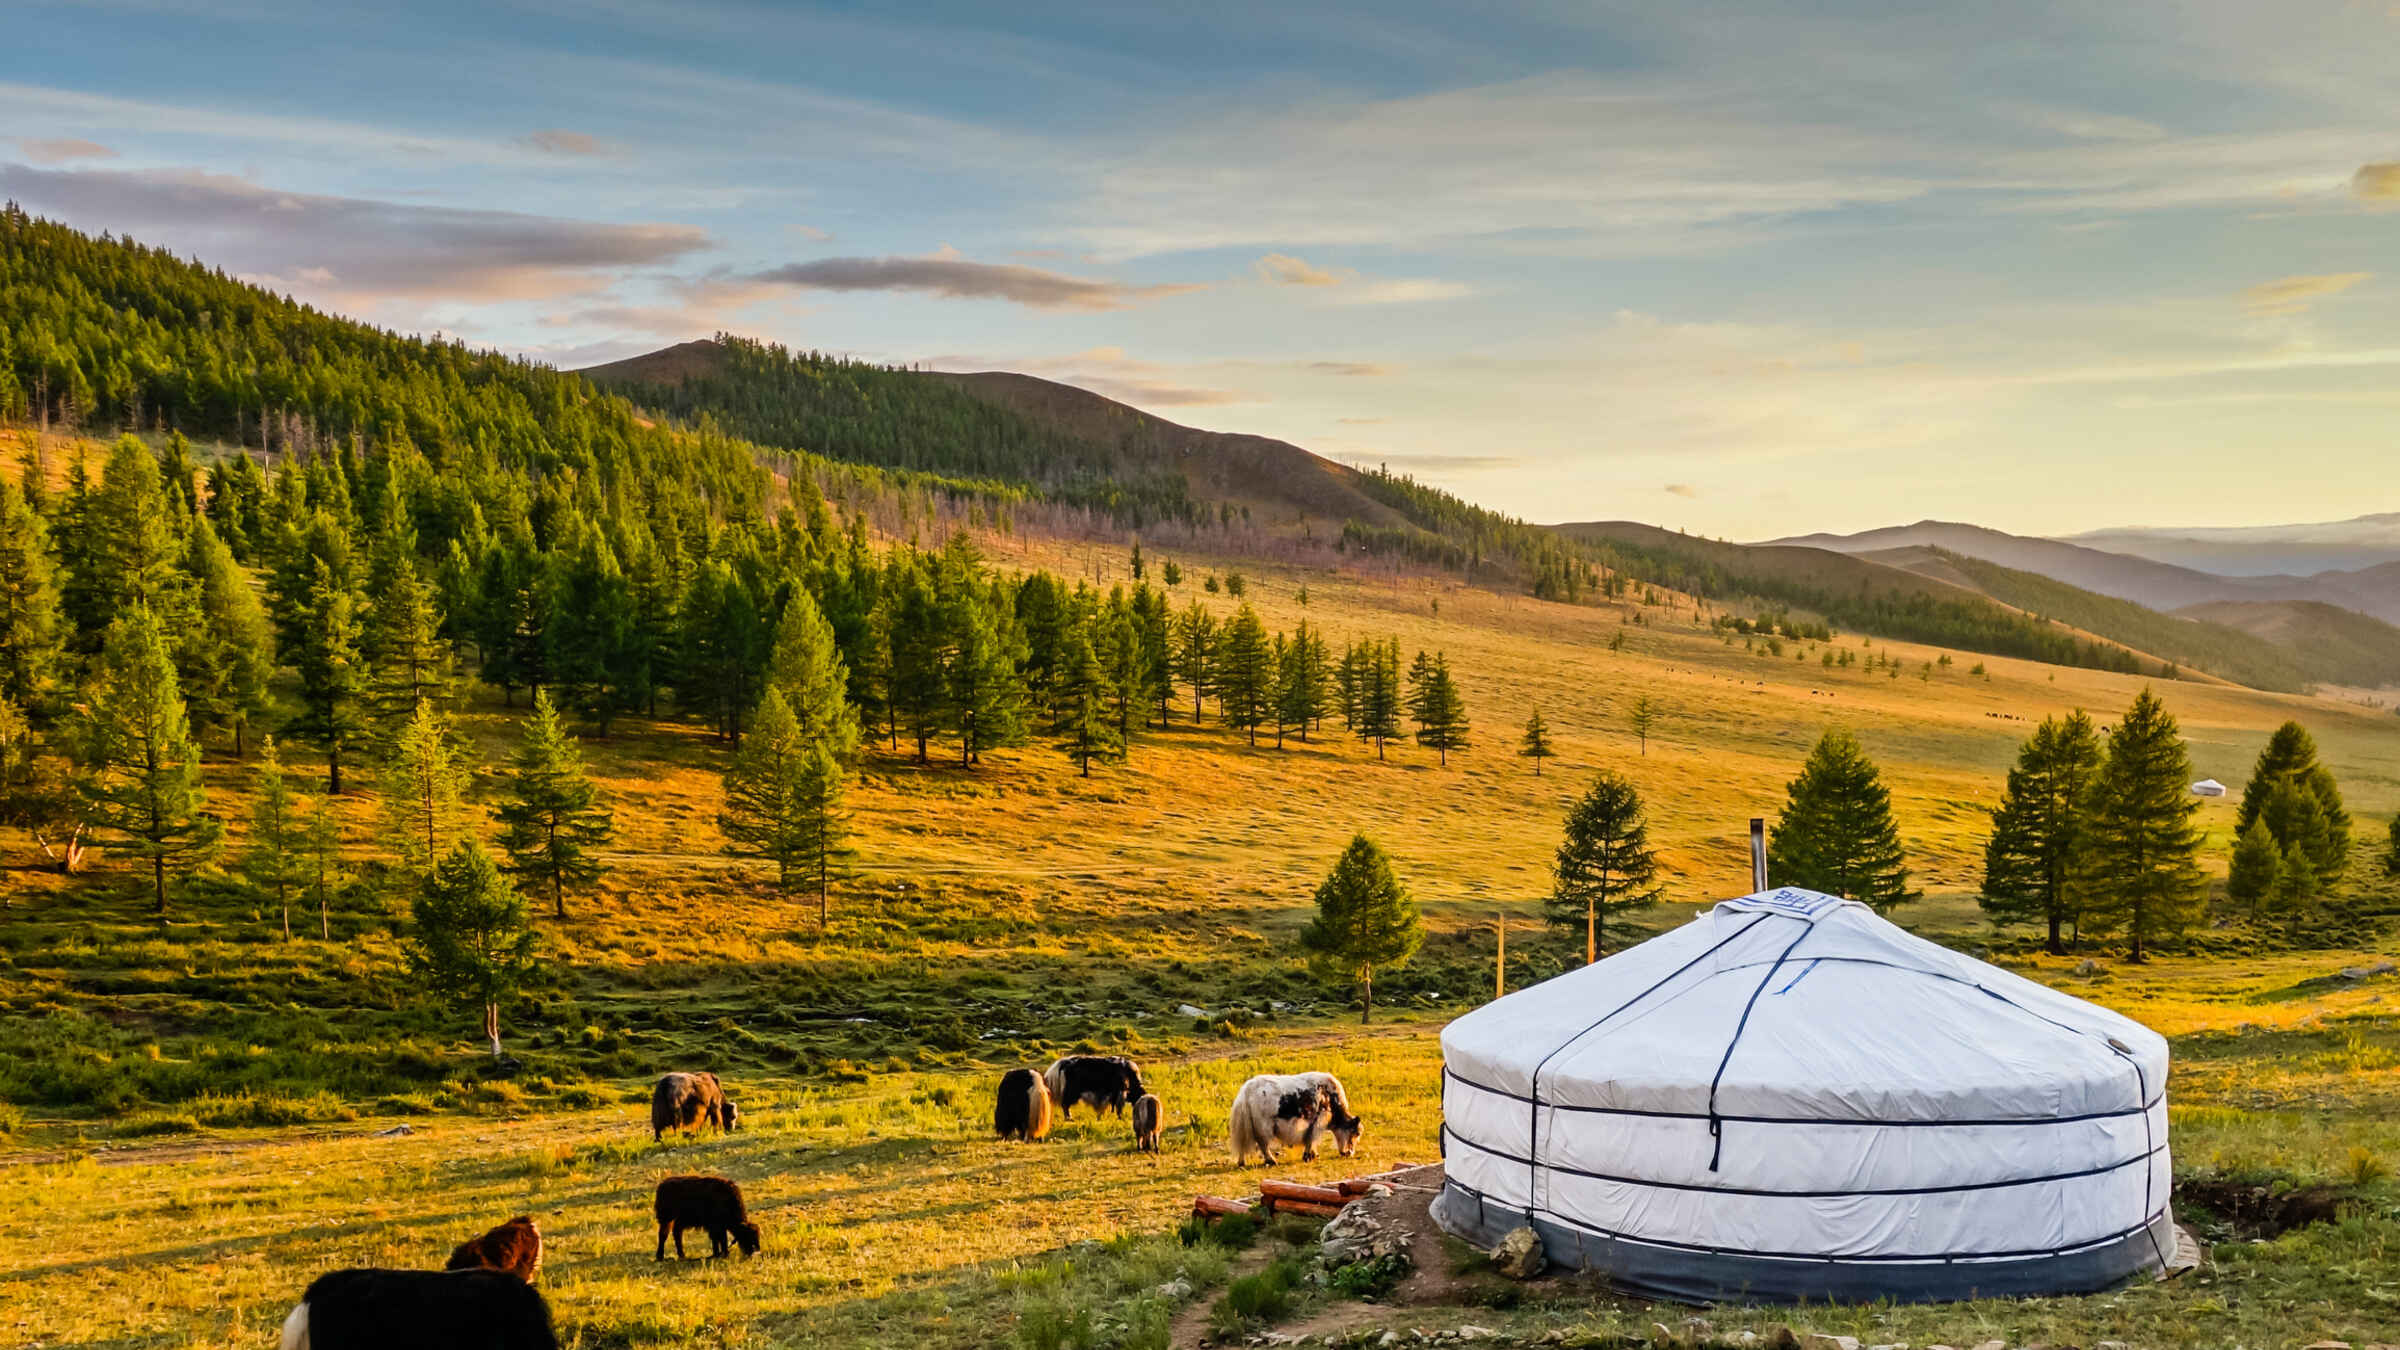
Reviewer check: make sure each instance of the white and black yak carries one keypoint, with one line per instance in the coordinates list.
(1022, 1108)
(686, 1101)
(710, 1203)
(1147, 1118)
(1290, 1108)
(1103, 1082)
(412, 1309)
(515, 1246)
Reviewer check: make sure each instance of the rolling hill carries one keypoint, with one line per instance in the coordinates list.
(2343, 645)
(1072, 446)
(2262, 550)
(2163, 586)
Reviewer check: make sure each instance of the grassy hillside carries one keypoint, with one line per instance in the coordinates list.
(2335, 644)
(1856, 594)
(2190, 642)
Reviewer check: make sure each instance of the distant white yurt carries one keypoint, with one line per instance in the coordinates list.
(1791, 1098)
(2208, 787)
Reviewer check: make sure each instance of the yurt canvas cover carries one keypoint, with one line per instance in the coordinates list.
(1791, 1098)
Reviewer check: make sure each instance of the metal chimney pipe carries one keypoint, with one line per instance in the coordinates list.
(1758, 853)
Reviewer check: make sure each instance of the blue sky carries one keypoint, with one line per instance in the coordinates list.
(1747, 270)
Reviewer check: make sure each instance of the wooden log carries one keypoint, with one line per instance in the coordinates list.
(1355, 1186)
(1216, 1206)
(1311, 1208)
(1293, 1190)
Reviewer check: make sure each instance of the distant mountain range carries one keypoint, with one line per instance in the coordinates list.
(2372, 588)
(2261, 550)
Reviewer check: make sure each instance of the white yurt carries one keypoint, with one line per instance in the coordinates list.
(1791, 1098)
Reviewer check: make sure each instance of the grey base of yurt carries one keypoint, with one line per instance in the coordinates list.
(1684, 1274)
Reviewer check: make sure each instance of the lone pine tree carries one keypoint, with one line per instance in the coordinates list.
(275, 863)
(473, 940)
(1536, 746)
(553, 820)
(1435, 704)
(2028, 864)
(2289, 766)
(1836, 833)
(2139, 869)
(1365, 919)
(783, 802)
(1605, 866)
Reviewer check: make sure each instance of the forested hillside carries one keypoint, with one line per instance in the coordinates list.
(1072, 446)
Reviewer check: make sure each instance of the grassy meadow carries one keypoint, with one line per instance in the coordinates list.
(196, 1104)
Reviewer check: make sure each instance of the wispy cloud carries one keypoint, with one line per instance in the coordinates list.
(1402, 291)
(954, 278)
(1283, 269)
(64, 150)
(349, 249)
(2292, 295)
(554, 141)
(1684, 490)
(1349, 367)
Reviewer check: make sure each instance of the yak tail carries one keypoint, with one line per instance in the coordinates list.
(1037, 1109)
(1055, 1078)
(1239, 1135)
(295, 1329)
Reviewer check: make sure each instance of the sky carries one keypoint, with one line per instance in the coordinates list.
(1746, 270)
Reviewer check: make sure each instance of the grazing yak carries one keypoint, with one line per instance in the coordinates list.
(1286, 1109)
(1146, 1121)
(1022, 1110)
(686, 1101)
(1106, 1082)
(413, 1309)
(515, 1246)
(712, 1203)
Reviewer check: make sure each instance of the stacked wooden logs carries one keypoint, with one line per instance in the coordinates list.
(1292, 1197)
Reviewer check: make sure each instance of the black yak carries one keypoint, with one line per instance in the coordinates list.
(1022, 1109)
(412, 1309)
(1105, 1082)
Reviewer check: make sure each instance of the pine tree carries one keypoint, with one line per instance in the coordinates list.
(589, 643)
(29, 616)
(2029, 861)
(473, 939)
(275, 861)
(1379, 697)
(2139, 870)
(2255, 879)
(1081, 705)
(1435, 705)
(808, 669)
(984, 694)
(1536, 746)
(140, 769)
(136, 545)
(1605, 866)
(2323, 826)
(2391, 859)
(783, 801)
(1836, 833)
(1195, 653)
(408, 661)
(552, 819)
(1640, 718)
(229, 654)
(1245, 673)
(423, 790)
(1300, 691)
(919, 646)
(332, 673)
(2296, 884)
(1365, 919)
